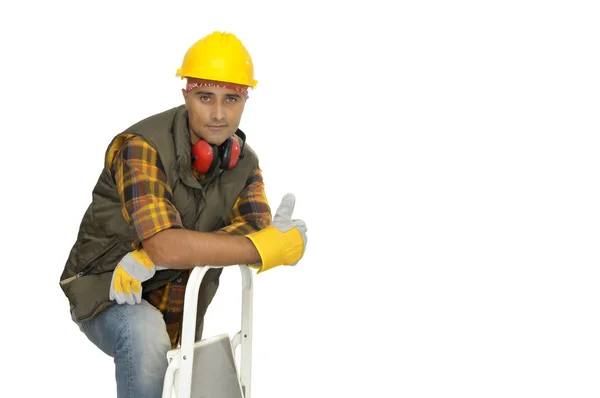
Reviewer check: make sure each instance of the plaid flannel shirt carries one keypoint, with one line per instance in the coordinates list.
(147, 204)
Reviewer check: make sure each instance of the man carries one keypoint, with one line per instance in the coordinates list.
(179, 189)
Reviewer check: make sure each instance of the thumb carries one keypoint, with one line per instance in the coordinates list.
(286, 208)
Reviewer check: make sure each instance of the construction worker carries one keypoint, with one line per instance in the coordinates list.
(179, 189)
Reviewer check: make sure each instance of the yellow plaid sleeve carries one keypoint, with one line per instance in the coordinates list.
(251, 211)
(146, 198)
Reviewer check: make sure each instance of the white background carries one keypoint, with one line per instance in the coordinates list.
(443, 154)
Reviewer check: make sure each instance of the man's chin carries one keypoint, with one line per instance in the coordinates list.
(216, 137)
(210, 138)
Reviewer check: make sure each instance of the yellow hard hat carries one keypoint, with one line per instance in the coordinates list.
(219, 56)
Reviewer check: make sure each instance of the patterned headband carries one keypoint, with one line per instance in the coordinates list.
(242, 90)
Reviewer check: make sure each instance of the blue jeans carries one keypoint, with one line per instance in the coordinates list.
(136, 337)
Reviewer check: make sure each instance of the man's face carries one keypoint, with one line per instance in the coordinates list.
(214, 113)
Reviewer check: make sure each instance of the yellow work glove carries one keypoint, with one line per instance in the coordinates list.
(126, 284)
(284, 241)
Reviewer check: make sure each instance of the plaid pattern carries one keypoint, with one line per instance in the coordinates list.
(147, 204)
(146, 199)
(169, 301)
(251, 211)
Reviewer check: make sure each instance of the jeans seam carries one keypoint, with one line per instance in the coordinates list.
(129, 357)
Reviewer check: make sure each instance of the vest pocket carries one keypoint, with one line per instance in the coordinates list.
(93, 262)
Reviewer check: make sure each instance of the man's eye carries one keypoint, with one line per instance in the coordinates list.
(204, 98)
(231, 99)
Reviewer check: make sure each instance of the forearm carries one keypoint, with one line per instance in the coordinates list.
(183, 249)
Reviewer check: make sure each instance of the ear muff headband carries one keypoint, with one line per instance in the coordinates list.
(205, 156)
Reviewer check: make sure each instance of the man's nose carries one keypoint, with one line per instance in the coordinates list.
(218, 112)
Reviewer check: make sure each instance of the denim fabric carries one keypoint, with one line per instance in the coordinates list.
(136, 337)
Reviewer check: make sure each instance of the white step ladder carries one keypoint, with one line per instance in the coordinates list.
(208, 368)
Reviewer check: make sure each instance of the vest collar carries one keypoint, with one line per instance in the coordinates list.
(183, 153)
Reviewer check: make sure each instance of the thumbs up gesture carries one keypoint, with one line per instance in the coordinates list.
(284, 241)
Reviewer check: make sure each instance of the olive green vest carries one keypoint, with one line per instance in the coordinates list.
(104, 235)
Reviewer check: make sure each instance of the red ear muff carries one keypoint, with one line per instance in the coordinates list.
(229, 152)
(203, 156)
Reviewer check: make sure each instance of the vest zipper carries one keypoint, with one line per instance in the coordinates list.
(71, 279)
(90, 264)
